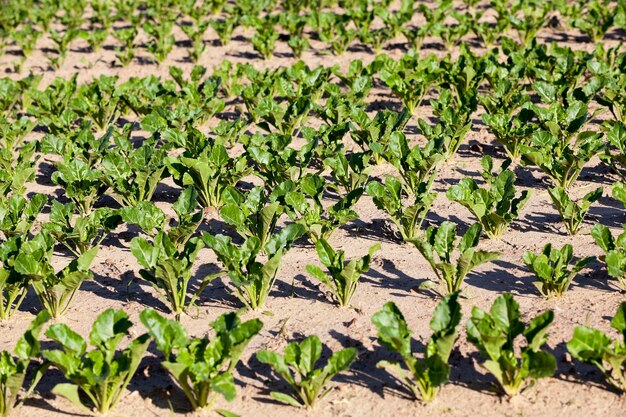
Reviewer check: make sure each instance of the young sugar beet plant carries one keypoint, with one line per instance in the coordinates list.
(573, 213)
(251, 279)
(80, 233)
(426, 376)
(561, 162)
(103, 373)
(18, 214)
(168, 269)
(210, 173)
(407, 215)
(13, 285)
(297, 366)
(591, 346)
(344, 276)
(305, 207)
(437, 247)
(82, 184)
(202, 368)
(494, 334)
(55, 290)
(418, 166)
(15, 366)
(614, 252)
(350, 173)
(496, 206)
(251, 214)
(551, 269)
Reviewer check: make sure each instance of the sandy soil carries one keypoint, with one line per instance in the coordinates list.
(299, 306)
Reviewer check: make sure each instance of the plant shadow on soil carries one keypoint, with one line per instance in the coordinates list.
(366, 374)
(499, 279)
(388, 276)
(302, 287)
(378, 230)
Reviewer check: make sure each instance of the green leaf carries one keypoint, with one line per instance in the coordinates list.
(70, 391)
(285, 399)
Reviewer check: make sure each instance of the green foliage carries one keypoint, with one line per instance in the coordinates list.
(211, 173)
(80, 233)
(426, 376)
(55, 290)
(188, 219)
(614, 252)
(408, 216)
(618, 191)
(18, 214)
(351, 173)
(571, 212)
(344, 276)
(15, 366)
(615, 153)
(496, 206)
(132, 174)
(417, 166)
(494, 334)
(374, 134)
(551, 269)
(410, 78)
(297, 366)
(591, 346)
(305, 206)
(13, 285)
(168, 269)
(202, 368)
(101, 374)
(562, 162)
(82, 184)
(161, 39)
(437, 247)
(251, 279)
(126, 51)
(252, 214)
(264, 39)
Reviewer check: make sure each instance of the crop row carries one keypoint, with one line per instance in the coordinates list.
(202, 367)
(151, 23)
(545, 124)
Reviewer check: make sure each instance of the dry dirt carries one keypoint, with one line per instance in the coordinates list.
(299, 306)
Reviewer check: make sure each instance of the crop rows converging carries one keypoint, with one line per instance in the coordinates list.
(216, 158)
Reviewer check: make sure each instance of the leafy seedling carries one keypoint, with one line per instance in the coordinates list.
(202, 368)
(573, 213)
(344, 276)
(169, 269)
(495, 206)
(437, 247)
(103, 373)
(594, 347)
(425, 376)
(614, 252)
(297, 367)
(551, 269)
(15, 366)
(494, 334)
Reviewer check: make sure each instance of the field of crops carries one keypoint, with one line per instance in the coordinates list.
(322, 208)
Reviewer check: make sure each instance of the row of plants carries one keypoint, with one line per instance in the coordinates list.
(150, 24)
(203, 367)
(295, 180)
(540, 84)
(168, 256)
